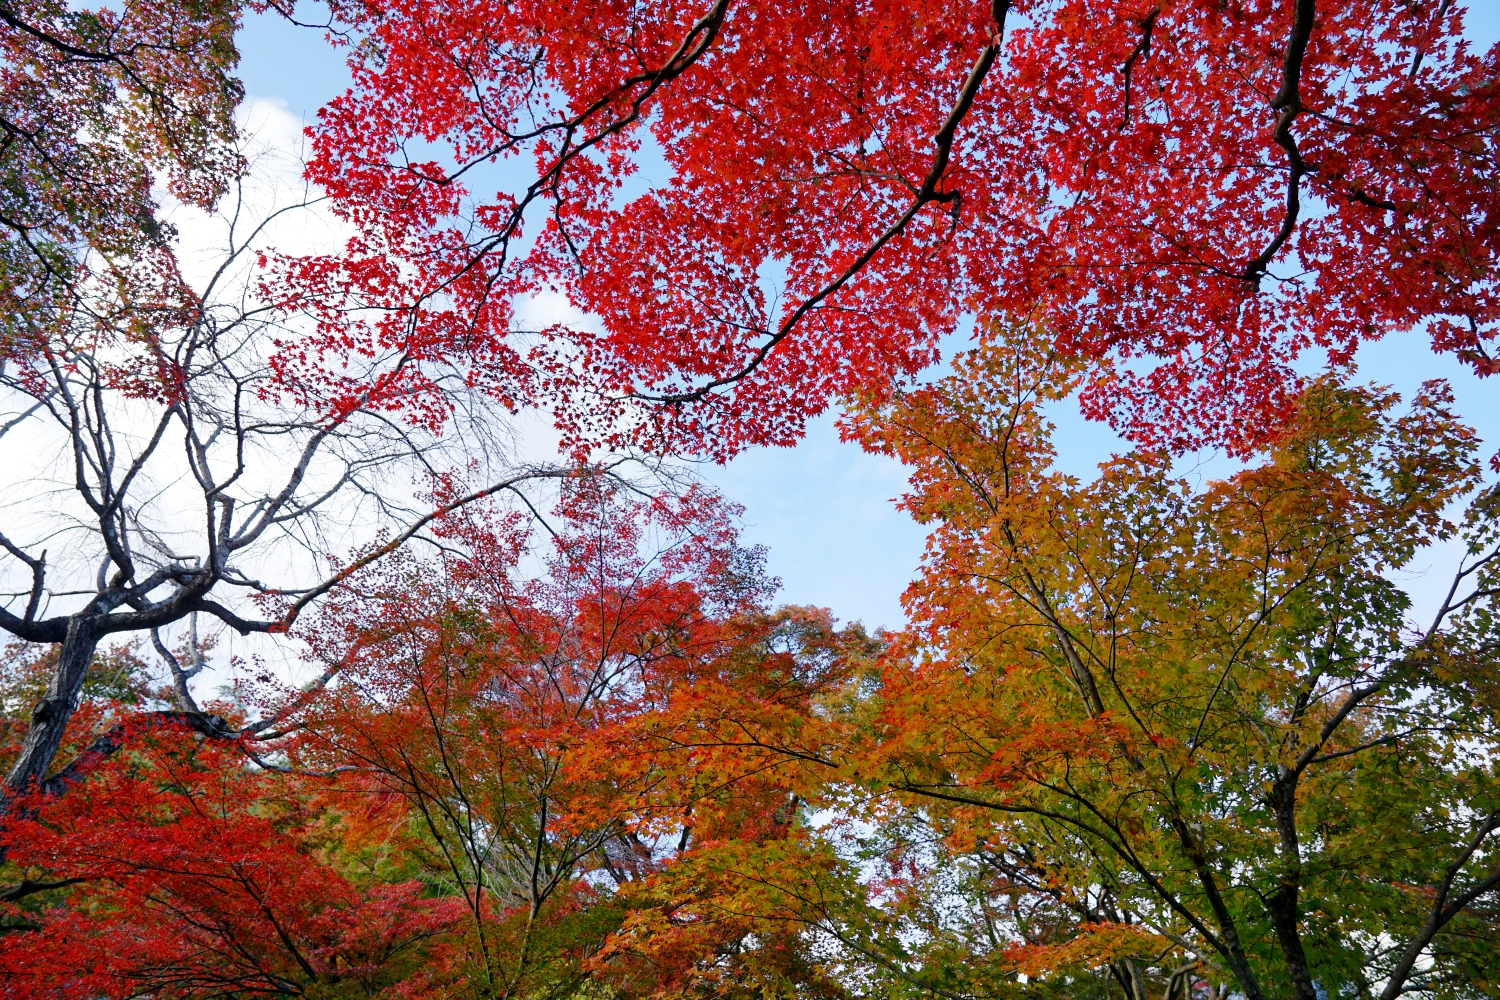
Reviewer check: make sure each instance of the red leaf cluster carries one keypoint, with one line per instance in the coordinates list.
(195, 876)
(766, 207)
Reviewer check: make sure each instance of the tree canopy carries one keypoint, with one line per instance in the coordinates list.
(1186, 195)
(550, 735)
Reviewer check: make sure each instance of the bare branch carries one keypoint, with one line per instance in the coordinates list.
(27, 887)
(38, 567)
(444, 510)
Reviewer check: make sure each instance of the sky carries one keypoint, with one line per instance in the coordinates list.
(825, 509)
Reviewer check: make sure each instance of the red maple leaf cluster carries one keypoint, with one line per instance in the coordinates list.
(1189, 195)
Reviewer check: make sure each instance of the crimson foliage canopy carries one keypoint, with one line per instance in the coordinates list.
(1189, 194)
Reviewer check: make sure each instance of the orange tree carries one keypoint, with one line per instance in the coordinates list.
(500, 717)
(1189, 736)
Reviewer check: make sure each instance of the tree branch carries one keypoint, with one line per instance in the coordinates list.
(380, 552)
(943, 141)
(1288, 101)
(1443, 909)
(1141, 51)
(27, 887)
(38, 575)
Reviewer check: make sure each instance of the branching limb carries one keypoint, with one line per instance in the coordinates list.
(38, 565)
(928, 193)
(180, 676)
(1288, 101)
(27, 887)
(509, 484)
(1445, 906)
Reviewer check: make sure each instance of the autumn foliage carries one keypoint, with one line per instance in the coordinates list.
(98, 106)
(195, 877)
(551, 737)
(765, 207)
(517, 734)
(483, 799)
(1189, 734)
(1140, 736)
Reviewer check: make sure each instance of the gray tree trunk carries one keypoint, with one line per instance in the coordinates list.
(49, 720)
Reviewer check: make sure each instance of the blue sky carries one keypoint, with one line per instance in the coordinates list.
(825, 508)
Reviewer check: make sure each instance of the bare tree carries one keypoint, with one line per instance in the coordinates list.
(177, 478)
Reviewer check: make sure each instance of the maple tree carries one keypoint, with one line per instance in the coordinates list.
(1191, 735)
(768, 206)
(93, 104)
(180, 872)
(499, 726)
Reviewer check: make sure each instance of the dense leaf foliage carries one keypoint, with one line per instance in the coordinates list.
(96, 107)
(183, 874)
(1191, 734)
(766, 206)
(1141, 736)
(479, 804)
(499, 719)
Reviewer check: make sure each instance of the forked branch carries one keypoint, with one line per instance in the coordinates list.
(928, 193)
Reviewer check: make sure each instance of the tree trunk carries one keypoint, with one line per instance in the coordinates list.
(1283, 905)
(49, 720)
(1232, 949)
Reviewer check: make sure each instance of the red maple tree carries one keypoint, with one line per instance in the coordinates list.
(1187, 194)
(539, 725)
(524, 735)
(178, 872)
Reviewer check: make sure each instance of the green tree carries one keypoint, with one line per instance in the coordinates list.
(1190, 737)
(96, 105)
